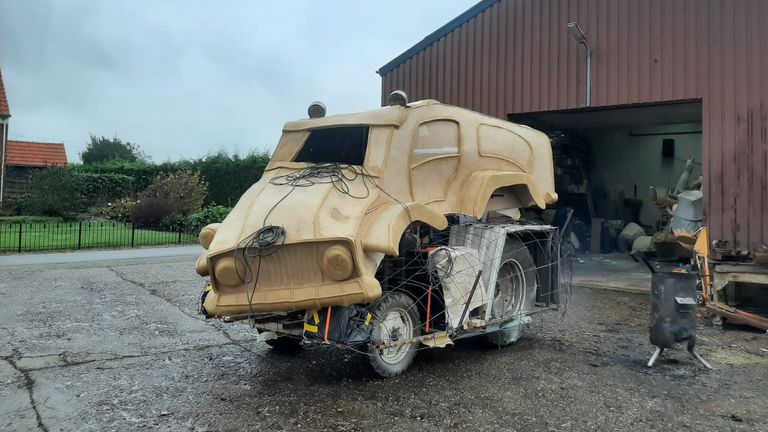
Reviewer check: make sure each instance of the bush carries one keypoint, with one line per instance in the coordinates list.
(194, 223)
(179, 193)
(53, 191)
(208, 215)
(120, 210)
(150, 212)
(176, 223)
(184, 191)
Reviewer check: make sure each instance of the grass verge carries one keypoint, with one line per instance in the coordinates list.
(74, 235)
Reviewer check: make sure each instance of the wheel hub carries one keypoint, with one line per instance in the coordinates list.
(395, 326)
(510, 290)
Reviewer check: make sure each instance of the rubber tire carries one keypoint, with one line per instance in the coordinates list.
(515, 249)
(203, 296)
(388, 302)
(285, 345)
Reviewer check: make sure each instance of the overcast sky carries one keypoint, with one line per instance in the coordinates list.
(187, 78)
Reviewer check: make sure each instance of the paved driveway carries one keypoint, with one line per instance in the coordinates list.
(88, 256)
(118, 346)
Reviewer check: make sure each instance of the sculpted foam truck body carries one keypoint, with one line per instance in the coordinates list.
(342, 193)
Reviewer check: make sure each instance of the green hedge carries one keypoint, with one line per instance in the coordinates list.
(29, 219)
(228, 176)
(99, 188)
(72, 190)
(62, 192)
(142, 173)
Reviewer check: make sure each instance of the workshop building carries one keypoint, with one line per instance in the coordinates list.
(669, 80)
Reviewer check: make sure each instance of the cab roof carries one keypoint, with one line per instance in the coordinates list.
(386, 116)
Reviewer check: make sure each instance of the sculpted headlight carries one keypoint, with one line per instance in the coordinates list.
(205, 237)
(337, 263)
(225, 271)
(201, 265)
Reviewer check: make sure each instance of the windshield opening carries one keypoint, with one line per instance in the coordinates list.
(344, 145)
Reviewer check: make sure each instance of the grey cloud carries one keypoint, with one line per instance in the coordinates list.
(187, 78)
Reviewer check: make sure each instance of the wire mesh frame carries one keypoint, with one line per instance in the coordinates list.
(417, 276)
(529, 244)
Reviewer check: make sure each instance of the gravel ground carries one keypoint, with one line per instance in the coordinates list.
(118, 346)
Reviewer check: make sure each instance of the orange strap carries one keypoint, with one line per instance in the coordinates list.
(429, 305)
(327, 323)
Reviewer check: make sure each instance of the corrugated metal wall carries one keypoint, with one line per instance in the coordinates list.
(517, 56)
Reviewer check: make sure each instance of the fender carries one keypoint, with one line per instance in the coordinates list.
(384, 225)
(480, 185)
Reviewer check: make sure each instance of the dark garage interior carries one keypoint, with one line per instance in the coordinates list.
(607, 159)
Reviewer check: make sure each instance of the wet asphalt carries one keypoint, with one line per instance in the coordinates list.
(118, 345)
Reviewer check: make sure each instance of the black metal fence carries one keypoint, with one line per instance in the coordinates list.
(31, 237)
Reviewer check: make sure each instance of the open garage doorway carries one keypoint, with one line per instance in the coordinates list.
(607, 159)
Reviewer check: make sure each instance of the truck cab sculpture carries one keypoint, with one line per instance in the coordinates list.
(367, 230)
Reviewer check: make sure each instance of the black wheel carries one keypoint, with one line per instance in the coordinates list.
(515, 295)
(285, 344)
(203, 295)
(395, 318)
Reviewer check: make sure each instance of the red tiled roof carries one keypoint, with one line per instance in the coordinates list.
(5, 110)
(35, 154)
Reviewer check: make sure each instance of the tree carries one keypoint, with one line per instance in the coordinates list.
(102, 149)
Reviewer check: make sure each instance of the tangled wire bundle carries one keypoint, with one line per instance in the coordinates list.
(261, 243)
(339, 175)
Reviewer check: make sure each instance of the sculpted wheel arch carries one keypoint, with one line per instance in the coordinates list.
(480, 187)
(512, 196)
(386, 225)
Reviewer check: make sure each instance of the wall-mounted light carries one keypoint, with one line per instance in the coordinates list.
(579, 36)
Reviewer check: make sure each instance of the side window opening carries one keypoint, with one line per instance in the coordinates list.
(434, 159)
(436, 138)
(344, 145)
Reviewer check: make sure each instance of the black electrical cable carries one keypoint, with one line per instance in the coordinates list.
(269, 238)
(443, 253)
(338, 175)
(263, 242)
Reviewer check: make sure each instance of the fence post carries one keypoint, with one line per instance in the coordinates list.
(80, 235)
(20, 224)
(179, 242)
(133, 233)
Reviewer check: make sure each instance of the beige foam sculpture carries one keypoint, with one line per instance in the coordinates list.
(423, 161)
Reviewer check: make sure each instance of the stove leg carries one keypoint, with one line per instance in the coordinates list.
(699, 358)
(655, 355)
